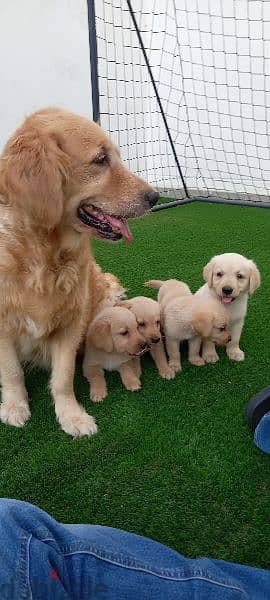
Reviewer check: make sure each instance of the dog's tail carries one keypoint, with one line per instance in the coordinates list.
(154, 283)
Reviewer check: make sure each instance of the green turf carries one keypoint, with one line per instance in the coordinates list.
(175, 461)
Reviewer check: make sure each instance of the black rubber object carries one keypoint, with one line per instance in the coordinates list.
(257, 407)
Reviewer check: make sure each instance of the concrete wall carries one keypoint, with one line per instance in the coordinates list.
(44, 53)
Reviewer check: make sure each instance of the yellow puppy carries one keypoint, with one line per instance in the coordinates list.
(112, 342)
(186, 317)
(147, 313)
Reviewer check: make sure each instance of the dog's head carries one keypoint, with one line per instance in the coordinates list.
(210, 321)
(147, 314)
(229, 275)
(62, 169)
(115, 331)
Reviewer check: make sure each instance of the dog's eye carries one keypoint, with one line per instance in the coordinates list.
(141, 324)
(240, 276)
(158, 323)
(124, 332)
(219, 274)
(101, 159)
(222, 328)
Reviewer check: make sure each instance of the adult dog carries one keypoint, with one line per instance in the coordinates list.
(61, 181)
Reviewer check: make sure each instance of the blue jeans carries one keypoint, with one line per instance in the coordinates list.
(262, 434)
(42, 559)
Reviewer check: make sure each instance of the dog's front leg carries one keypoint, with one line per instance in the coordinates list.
(194, 347)
(232, 348)
(14, 409)
(129, 378)
(173, 349)
(71, 416)
(159, 357)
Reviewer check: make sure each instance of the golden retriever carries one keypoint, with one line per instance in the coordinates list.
(186, 317)
(147, 313)
(113, 342)
(230, 278)
(61, 181)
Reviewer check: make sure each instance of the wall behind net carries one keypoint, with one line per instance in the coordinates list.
(211, 63)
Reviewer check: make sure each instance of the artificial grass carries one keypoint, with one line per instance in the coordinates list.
(175, 461)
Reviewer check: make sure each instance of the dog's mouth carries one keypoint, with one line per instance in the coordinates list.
(108, 227)
(141, 352)
(226, 299)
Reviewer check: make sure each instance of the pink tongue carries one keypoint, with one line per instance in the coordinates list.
(121, 226)
(226, 300)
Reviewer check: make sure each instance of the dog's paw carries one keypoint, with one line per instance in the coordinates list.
(210, 356)
(167, 372)
(175, 366)
(76, 422)
(133, 385)
(236, 354)
(98, 394)
(198, 361)
(14, 413)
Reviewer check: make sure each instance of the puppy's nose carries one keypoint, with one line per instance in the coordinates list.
(142, 345)
(227, 290)
(152, 197)
(155, 340)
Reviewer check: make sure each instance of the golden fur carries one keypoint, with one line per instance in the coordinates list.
(55, 165)
(113, 342)
(240, 275)
(186, 317)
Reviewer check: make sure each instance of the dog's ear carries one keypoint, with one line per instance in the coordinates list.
(254, 277)
(202, 324)
(124, 304)
(35, 171)
(208, 272)
(100, 335)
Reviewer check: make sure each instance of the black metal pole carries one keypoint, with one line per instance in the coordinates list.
(132, 14)
(93, 59)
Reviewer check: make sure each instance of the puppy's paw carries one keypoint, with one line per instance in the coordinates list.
(210, 356)
(76, 422)
(14, 413)
(133, 385)
(175, 366)
(167, 372)
(236, 354)
(98, 393)
(198, 361)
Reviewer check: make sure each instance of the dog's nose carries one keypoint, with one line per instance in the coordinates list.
(155, 340)
(227, 290)
(142, 345)
(152, 197)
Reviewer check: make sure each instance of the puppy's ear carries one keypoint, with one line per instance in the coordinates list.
(100, 336)
(208, 273)
(202, 324)
(254, 277)
(35, 172)
(124, 304)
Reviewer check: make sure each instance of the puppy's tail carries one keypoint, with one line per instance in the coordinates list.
(154, 283)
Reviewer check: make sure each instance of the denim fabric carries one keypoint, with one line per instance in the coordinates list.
(262, 434)
(44, 560)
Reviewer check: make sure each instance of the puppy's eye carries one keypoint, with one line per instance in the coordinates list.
(101, 159)
(141, 324)
(158, 323)
(124, 332)
(222, 328)
(219, 274)
(240, 276)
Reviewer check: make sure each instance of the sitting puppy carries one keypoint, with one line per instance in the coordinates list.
(186, 317)
(229, 278)
(112, 343)
(147, 313)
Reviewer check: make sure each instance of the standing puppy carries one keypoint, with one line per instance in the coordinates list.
(230, 278)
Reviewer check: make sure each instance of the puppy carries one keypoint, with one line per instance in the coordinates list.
(230, 278)
(185, 317)
(147, 313)
(113, 343)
